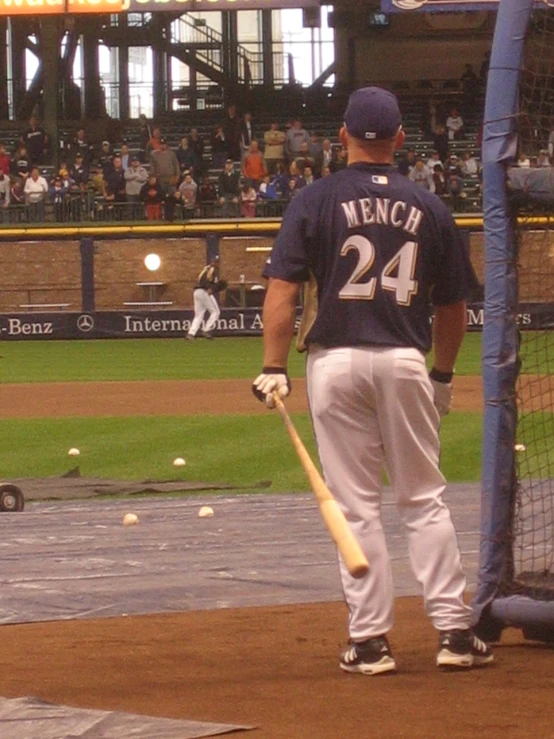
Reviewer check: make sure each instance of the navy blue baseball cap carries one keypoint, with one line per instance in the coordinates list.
(372, 114)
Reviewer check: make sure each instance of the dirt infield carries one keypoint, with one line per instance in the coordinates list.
(169, 397)
(277, 669)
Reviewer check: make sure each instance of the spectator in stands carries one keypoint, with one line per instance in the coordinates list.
(324, 158)
(97, 181)
(304, 158)
(248, 197)
(114, 181)
(470, 84)
(433, 160)
(274, 151)
(232, 128)
(455, 125)
(523, 160)
(105, 158)
(325, 171)
(543, 160)
(154, 142)
(315, 147)
(188, 190)
(57, 193)
(308, 175)
(80, 145)
(125, 156)
(439, 180)
(207, 197)
(21, 164)
(17, 193)
(292, 181)
(196, 143)
(440, 141)
(219, 148)
(455, 188)
(407, 162)
(551, 143)
(186, 156)
(36, 189)
(63, 174)
(453, 166)
(229, 190)
(421, 175)
(34, 138)
(152, 195)
(164, 165)
(470, 167)
(296, 136)
(484, 69)
(5, 190)
(5, 161)
(136, 177)
(145, 134)
(268, 189)
(340, 161)
(246, 134)
(253, 167)
(78, 172)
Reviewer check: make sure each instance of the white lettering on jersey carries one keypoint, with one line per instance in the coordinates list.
(366, 211)
(413, 221)
(351, 213)
(394, 219)
(382, 211)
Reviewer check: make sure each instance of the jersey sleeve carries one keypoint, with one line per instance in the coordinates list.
(289, 256)
(453, 272)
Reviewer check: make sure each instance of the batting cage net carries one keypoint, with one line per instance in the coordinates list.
(532, 570)
(516, 572)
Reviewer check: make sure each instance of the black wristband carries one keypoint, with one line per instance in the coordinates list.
(274, 370)
(438, 376)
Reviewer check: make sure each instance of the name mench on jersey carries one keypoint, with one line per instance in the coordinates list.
(381, 211)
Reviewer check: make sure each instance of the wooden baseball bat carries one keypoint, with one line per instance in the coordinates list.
(332, 515)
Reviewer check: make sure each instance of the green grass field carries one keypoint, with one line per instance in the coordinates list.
(159, 359)
(232, 449)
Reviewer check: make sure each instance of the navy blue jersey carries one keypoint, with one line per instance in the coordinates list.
(380, 251)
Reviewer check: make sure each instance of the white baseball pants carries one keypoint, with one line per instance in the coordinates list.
(372, 409)
(204, 303)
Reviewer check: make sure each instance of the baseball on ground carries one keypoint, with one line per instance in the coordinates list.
(179, 462)
(130, 519)
(74, 452)
(520, 447)
(206, 512)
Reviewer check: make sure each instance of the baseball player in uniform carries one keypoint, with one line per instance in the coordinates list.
(204, 301)
(378, 253)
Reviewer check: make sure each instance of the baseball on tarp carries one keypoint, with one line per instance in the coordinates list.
(205, 512)
(130, 519)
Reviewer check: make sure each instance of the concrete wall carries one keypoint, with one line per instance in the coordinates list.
(50, 272)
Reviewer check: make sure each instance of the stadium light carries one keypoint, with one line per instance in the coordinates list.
(152, 262)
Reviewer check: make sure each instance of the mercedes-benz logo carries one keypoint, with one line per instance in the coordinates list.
(85, 323)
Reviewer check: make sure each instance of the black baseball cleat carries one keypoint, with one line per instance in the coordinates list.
(369, 657)
(189, 337)
(461, 649)
(207, 335)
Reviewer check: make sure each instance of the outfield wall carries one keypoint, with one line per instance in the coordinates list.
(51, 272)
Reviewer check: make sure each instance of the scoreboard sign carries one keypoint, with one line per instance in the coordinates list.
(53, 7)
